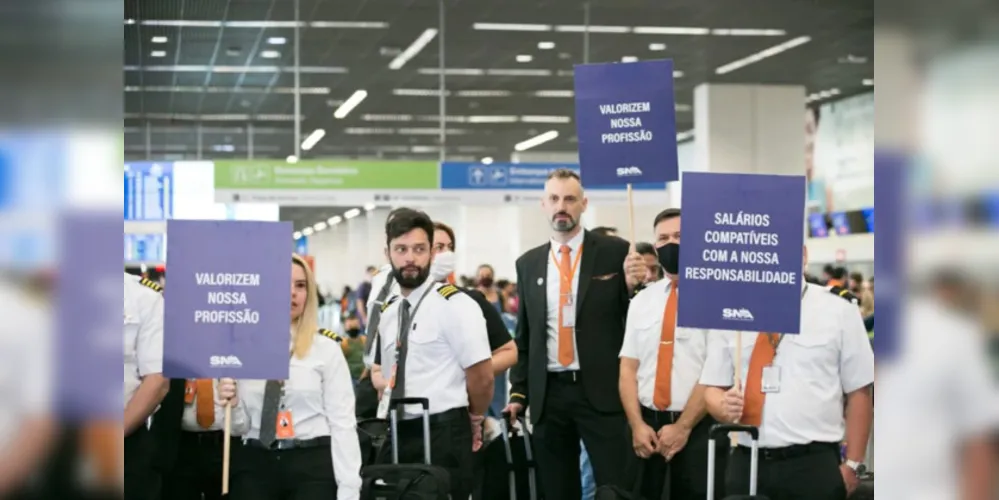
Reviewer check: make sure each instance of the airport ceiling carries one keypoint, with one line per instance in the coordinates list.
(225, 67)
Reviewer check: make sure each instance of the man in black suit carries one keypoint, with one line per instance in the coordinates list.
(574, 293)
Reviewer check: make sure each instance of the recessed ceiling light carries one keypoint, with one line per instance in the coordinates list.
(524, 58)
(657, 46)
(487, 160)
(159, 39)
(629, 59)
(546, 45)
(158, 53)
(130, 21)
(277, 40)
(336, 219)
(868, 82)
(270, 54)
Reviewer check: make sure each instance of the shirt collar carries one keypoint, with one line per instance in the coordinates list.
(418, 292)
(574, 243)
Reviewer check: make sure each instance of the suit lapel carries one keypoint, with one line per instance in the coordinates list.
(541, 271)
(588, 259)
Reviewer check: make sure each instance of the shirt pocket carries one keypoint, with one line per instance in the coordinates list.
(131, 326)
(815, 355)
(425, 331)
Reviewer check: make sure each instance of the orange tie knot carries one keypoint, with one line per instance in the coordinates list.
(564, 249)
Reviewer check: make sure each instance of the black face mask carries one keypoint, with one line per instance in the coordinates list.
(354, 332)
(486, 282)
(669, 258)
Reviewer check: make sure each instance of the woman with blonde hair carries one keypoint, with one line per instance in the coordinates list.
(302, 443)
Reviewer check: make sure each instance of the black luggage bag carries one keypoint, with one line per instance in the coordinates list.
(723, 430)
(507, 470)
(371, 435)
(397, 481)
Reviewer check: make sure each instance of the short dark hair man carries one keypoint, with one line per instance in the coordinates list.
(567, 367)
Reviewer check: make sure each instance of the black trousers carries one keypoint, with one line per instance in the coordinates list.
(687, 471)
(141, 479)
(295, 474)
(568, 418)
(808, 472)
(450, 447)
(197, 472)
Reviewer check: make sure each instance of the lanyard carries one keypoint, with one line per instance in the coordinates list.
(780, 338)
(412, 319)
(575, 265)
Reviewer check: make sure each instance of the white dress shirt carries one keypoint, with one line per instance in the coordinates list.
(553, 282)
(377, 282)
(143, 334)
(831, 357)
(320, 396)
(642, 338)
(937, 393)
(240, 422)
(447, 336)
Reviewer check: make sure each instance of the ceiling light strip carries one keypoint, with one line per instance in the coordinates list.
(763, 54)
(192, 23)
(536, 140)
(414, 48)
(350, 104)
(313, 139)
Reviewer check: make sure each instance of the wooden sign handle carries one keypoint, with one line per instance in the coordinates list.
(226, 447)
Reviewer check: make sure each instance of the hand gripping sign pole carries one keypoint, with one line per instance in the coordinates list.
(226, 447)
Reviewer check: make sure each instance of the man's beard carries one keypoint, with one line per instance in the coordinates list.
(564, 225)
(410, 281)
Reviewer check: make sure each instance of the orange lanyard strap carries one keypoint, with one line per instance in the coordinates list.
(575, 265)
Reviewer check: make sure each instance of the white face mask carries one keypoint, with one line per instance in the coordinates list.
(442, 266)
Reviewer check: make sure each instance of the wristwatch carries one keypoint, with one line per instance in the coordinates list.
(858, 468)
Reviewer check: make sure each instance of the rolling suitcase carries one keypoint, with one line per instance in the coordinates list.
(724, 430)
(397, 481)
(508, 471)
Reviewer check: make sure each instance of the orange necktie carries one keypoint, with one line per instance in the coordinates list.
(662, 396)
(205, 403)
(565, 349)
(763, 355)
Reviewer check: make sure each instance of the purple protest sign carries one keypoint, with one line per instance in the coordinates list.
(228, 300)
(891, 183)
(626, 123)
(88, 342)
(741, 258)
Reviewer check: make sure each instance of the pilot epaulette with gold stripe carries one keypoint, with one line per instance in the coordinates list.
(448, 291)
(330, 335)
(845, 294)
(148, 283)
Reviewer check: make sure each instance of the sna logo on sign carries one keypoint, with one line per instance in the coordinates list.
(742, 314)
(629, 171)
(225, 361)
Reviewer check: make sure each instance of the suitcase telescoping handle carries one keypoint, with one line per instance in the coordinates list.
(723, 430)
(507, 430)
(394, 406)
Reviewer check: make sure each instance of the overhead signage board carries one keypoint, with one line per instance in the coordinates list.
(626, 123)
(228, 295)
(145, 248)
(501, 183)
(316, 182)
(149, 191)
(742, 256)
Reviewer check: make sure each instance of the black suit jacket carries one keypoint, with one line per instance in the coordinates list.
(601, 310)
